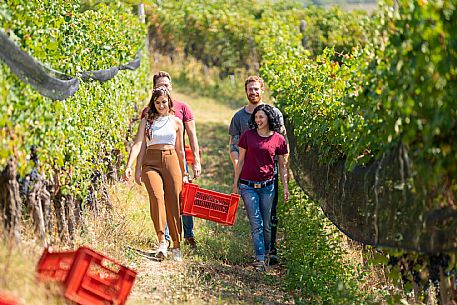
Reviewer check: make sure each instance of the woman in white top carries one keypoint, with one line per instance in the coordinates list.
(163, 168)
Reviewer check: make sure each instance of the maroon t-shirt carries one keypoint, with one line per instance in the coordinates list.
(182, 111)
(260, 151)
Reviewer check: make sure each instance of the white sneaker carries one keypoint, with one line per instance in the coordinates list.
(162, 249)
(176, 255)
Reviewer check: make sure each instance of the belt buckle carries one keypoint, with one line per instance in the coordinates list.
(257, 185)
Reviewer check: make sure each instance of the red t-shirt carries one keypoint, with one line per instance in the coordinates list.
(260, 151)
(182, 111)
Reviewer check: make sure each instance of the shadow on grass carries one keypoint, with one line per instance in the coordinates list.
(240, 284)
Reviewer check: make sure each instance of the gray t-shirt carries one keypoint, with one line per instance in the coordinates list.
(240, 123)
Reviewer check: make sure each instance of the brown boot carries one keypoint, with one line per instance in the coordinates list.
(190, 242)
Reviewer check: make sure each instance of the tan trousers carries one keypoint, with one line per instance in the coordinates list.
(163, 179)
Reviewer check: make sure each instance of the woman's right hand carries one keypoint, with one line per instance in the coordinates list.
(235, 188)
(185, 179)
(128, 173)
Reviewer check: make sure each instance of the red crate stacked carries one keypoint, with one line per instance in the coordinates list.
(190, 155)
(88, 277)
(211, 205)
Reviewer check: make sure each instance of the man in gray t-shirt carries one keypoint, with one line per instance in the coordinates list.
(254, 87)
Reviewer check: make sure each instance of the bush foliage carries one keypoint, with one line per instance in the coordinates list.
(319, 269)
(82, 135)
(398, 86)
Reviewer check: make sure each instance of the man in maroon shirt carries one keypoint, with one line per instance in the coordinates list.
(183, 112)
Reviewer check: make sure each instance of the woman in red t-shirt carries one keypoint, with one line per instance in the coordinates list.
(254, 175)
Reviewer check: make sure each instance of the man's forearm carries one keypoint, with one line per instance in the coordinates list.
(195, 148)
(233, 151)
(234, 157)
(193, 141)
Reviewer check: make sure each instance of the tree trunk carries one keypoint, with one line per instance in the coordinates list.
(70, 213)
(39, 201)
(10, 201)
(59, 207)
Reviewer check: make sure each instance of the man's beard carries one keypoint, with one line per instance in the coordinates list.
(254, 99)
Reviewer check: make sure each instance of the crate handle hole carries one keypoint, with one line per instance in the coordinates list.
(108, 264)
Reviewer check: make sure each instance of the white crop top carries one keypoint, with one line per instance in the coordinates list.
(162, 131)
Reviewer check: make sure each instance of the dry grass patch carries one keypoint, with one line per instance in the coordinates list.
(17, 275)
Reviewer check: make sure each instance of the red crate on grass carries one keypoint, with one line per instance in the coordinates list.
(88, 277)
(54, 266)
(207, 204)
(7, 300)
(190, 155)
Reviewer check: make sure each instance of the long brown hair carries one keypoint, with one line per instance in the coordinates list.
(156, 93)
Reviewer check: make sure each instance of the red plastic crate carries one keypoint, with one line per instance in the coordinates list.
(207, 204)
(190, 155)
(7, 300)
(54, 266)
(88, 277)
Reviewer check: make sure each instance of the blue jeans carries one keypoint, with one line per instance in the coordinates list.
(188, 225)
(258, 204)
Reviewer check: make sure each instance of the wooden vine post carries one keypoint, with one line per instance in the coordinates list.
(10, 201)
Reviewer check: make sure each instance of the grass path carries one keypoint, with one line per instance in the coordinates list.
(219, 272)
